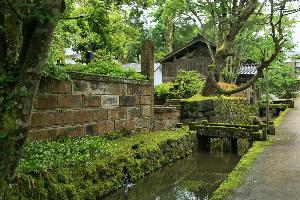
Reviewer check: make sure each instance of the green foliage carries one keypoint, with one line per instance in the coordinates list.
(164, 89)
(46, 155)
(95, 166)
(108, 68)
(109, 29)
(55, 71)
(188, 84)
(282, 78)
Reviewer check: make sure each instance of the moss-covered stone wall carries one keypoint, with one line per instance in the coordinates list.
(230, 110)
(97, 177)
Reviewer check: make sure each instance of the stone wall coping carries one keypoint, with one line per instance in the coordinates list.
(105, 78)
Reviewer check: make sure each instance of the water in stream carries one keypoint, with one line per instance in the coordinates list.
(191, 178)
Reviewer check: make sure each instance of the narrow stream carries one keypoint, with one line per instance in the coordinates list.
(191, 178)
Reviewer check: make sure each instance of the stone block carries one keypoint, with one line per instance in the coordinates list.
(145, 100)
(118, 89)
(127, 101)
(43, 134)
(39, 119)
(71, 131)
(168, 115)
(160, 116)
(134, 112)
(201, 119)
(69, 101)
(100, 87)
(187, 120)
(106, 127)
(92, 101)
(142, 123)
(130, 125)
(59, 86)
(91, 129)
(146, 90)
(60, 118)
(120, 125)
(80, 86)
(109, 100)
(117, 113)
(159, 125)
(100, 114)
(46, 101)
(147, 111)
(133, 89)
(82, 116)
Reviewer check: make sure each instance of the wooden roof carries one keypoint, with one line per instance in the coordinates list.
(192, 45)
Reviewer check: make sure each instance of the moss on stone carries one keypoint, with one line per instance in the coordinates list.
(95, 177)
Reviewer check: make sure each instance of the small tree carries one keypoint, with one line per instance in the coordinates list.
(26, 29)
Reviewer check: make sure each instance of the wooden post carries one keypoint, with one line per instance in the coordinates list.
(147, 69)
(267, 103)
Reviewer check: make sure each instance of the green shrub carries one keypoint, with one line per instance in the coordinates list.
(108, 68)
(55, 71)
(163, 90)
(188, 83)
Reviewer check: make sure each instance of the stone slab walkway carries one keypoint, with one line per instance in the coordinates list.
(276, 173)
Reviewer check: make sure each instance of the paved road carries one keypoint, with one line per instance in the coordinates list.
(276, 173)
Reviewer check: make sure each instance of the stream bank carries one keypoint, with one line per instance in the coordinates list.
(79, 177)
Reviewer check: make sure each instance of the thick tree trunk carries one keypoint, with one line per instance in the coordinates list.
(209, 89)
(17, 100)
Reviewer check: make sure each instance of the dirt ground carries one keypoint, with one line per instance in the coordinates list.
(276, 173)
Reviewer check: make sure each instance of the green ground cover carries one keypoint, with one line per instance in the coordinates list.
(45, 155)
(91, 167)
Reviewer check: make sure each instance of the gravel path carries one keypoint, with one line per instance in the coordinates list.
(276, 173)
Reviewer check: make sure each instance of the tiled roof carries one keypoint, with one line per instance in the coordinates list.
(248, 69)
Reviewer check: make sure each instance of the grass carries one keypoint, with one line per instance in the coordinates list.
(239, 173)
(280, 118)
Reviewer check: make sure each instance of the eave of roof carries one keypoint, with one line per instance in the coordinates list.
(197, 39)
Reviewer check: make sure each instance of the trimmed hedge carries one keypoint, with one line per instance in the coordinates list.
(91, 177)
(232, 110)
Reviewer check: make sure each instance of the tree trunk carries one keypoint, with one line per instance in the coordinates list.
(209, 89)
(17, 99)
(169, 36)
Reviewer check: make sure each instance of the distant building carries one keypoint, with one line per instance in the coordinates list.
(293, 61)
(246, 72)
(157, 71)
(192, 56)
(71, 56)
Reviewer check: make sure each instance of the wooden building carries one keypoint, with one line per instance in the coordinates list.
(192, 56)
